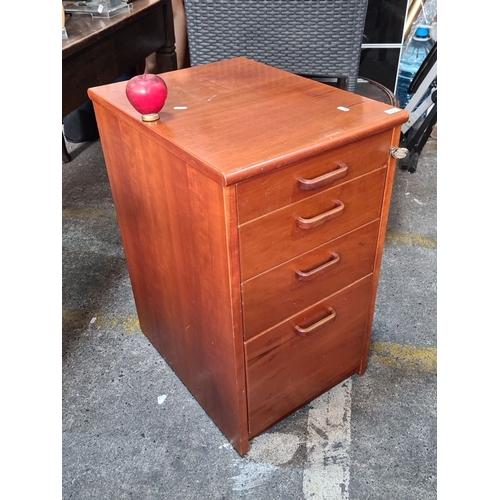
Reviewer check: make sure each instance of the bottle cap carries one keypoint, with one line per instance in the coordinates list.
(422, 31)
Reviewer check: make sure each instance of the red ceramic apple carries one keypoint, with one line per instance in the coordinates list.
(147, 93)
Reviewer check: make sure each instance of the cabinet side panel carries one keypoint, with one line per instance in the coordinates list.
(177, 233)
(384, 216)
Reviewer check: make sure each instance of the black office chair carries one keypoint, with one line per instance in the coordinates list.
(320, 39)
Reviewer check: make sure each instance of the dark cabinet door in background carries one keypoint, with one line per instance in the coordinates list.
(382, 41)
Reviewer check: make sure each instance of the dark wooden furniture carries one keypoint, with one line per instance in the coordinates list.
(99, 50)
(253, 216)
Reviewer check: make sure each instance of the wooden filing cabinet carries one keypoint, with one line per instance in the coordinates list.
(253, 216)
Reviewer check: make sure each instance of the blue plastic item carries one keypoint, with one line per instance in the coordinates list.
(413, 56)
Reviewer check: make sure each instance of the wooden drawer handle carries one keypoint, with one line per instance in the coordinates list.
(306, 332)
(323, 180)
(309, 275)
(337, 211)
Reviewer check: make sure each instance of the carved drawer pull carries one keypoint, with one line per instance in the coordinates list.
(306, 332)
(337, 211)
(323, 180)
(309, 275)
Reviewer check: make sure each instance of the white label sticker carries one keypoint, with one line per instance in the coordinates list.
(341, 108)
(392, 111)
(180, 107)
(100, 8)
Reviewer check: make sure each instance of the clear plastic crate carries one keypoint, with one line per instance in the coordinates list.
(97, 8)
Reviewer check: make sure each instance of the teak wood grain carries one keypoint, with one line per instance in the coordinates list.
(244, 118)
(269, 240)
(270, 192)
(254, 279)
(174, 223)
(384, 216)
(276, 294)
(285, 371)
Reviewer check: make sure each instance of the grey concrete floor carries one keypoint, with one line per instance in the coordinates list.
(131, 430)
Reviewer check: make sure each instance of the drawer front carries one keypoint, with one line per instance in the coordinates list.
(280, 292)
(286, 369)
(270, 192)
(281, 235)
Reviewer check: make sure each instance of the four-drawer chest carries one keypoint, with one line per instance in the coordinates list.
(253, 217)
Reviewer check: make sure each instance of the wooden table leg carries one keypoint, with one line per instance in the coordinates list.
(166, 58)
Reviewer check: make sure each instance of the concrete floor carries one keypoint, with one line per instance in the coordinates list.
(131, 430)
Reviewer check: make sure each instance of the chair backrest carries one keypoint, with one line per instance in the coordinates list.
(315, 38)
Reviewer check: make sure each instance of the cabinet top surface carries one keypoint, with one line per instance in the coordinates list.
(238, 118)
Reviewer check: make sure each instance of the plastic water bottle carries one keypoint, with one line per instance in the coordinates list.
(411, 60)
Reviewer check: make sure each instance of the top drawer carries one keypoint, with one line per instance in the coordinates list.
(272, 191)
